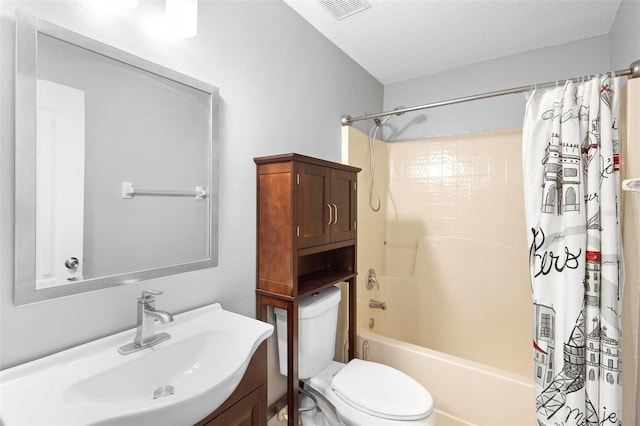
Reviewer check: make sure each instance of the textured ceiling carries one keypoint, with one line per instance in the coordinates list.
(397, 40)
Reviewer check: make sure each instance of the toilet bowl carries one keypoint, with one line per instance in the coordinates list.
(362, 392)
(368, 393)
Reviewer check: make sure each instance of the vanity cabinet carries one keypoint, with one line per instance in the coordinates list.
(306, 241)
(247, 405)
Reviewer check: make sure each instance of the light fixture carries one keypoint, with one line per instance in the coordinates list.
(341, 9)
(182, 16)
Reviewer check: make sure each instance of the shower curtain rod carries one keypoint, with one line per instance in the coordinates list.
(632, 72)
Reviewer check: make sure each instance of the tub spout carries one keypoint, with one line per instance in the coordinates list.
(377, 305)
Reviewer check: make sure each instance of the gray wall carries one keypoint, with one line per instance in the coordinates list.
(624, 37)
(612, 51)
(588, 56)
(283, 88)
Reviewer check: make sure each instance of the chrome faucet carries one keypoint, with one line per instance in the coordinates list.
(147, 317)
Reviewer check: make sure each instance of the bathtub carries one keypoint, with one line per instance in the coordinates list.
(463, 330)
(464, 392)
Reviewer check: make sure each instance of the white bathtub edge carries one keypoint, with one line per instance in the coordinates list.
(469, 392)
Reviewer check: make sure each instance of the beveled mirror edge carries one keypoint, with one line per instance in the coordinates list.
(27, 28)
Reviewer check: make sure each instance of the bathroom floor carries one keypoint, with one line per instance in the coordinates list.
(316, 419)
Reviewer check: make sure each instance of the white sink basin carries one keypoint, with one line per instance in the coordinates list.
(191, 375)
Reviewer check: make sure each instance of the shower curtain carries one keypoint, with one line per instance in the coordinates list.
(571, 184)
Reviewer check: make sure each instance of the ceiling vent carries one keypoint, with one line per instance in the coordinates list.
(341, 9)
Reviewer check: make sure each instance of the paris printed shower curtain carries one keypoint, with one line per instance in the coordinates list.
(571, 184)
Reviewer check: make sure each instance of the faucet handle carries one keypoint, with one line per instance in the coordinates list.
(149, 295)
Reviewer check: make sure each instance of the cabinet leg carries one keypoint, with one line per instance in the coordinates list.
(261, 309)
(353, 332)
(292, 362)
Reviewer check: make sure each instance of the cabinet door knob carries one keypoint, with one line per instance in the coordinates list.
(335, 216)
(330, 214)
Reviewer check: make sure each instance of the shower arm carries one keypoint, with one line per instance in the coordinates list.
(632, 72)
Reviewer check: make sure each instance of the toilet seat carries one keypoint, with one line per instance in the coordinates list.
(381, 391)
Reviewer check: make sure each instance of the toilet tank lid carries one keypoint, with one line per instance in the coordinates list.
(316, 303)
(382, 391)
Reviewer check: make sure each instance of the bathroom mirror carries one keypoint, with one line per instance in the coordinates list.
(116, 166)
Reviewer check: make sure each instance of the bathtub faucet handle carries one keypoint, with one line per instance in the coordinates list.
(372, 280)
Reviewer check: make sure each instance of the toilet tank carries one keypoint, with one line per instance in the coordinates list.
(317, 324)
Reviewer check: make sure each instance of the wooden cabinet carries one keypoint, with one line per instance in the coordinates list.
(326, 205)
(306, 241)
(247, 405)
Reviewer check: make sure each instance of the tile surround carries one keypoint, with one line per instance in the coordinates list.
(467, 186)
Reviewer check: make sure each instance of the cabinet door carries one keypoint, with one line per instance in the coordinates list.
(313, 205)
(343, 202)
(249, 411)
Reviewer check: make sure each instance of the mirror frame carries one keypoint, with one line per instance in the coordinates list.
(27, 29)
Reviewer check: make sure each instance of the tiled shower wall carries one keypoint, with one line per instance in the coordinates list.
(455, 221)
(449, 245)
(467, 186)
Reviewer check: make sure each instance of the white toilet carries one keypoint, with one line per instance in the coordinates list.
(362, 392)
